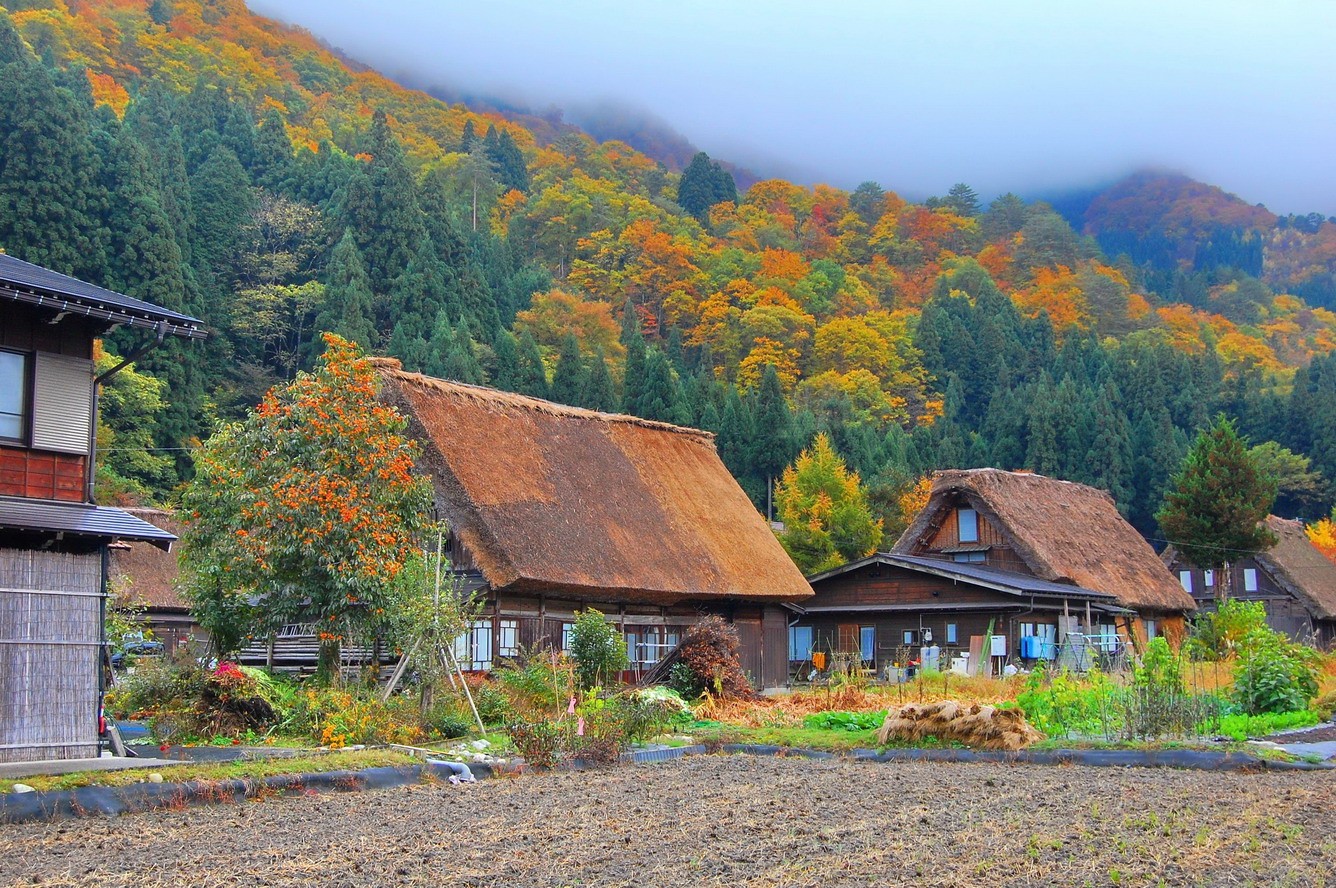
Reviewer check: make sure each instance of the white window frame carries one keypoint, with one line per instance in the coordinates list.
(1250, 579)
(973, 536)
(473, 649)
(566, 630)
(508, 640)
(1185, 580)
(1208, 579)
(1152, 630)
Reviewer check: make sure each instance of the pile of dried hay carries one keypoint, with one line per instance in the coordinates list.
(979, 727)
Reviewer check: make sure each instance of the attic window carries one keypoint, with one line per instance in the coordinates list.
(1250, 579)
(1185, 579)
(1209, 581)
(968, 520)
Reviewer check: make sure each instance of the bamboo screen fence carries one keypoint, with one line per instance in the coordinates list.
(50, 634)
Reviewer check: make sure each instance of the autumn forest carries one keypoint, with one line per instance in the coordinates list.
(198, 156)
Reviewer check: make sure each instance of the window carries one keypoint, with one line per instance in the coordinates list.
(1209, 580)
(13, 396)
(1185, 580)
(952, 634)
(566, 629)
(645, 644)
(1250, 579)
(1152, 631)
(473, 649)
(969, 557)
(509, 643)
(867, 643)
(968, 519)
(911, 636)
(800, 643)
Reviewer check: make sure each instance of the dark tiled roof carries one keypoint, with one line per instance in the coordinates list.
(79, 519)
(1018, 581)
(1001, 580)
(34, 285)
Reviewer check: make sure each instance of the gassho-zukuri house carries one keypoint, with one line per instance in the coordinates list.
(554, 509)
(1018, 558)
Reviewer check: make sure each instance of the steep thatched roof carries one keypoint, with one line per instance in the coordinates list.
(555, 499)
(142, 572)
(1299, 568)
(1063, 531)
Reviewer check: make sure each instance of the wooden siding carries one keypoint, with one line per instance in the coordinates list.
(50, 646)
(28, 328)
(886, 584)
(1284, 612)
(948, 535)
(999, 554)
(36, 475)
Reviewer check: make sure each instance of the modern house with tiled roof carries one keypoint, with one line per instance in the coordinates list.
(53, 537)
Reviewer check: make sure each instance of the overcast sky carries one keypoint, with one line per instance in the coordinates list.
(1026, 96)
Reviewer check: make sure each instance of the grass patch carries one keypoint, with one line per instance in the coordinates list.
(801, 737)
(354, 760)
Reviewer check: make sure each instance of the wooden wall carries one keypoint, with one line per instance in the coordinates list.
(30, 473)
(50, 645)
(38, 475)
(28, 328)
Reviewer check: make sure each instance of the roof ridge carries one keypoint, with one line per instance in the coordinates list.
(488, 395)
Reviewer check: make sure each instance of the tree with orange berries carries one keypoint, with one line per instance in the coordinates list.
(304, 511)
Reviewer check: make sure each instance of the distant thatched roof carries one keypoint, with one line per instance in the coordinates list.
(143, 573)
(1298, 567)
(1063, 531)
(555, 499)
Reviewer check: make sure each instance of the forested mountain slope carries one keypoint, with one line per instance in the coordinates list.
(215, 162)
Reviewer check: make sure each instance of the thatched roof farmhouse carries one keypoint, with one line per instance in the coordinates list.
(1056, 530)
(556, 508)
(1294, 581)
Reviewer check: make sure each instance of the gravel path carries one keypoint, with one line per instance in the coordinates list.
(727, 821)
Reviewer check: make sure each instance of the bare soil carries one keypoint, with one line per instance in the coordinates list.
(727, 821)
(1319, 734)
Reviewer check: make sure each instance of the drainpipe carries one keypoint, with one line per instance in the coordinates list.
(90, 473)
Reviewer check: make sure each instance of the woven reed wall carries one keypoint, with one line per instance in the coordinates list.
(50, 632)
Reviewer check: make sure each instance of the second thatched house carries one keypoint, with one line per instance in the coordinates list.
(553, 509)
(1293, 580)
(1054, 530)
(998, 566)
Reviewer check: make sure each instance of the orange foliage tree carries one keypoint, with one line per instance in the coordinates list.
(305, 511)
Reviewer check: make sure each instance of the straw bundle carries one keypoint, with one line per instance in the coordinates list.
(980, 727)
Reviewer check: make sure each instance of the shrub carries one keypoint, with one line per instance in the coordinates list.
(598, 649)
(711, 651)
(494, 707)
(1227, 631)
(683, 681)
(543, 684)
(1275, 675)
(1325, 706)
(337, 717)
(539, 742)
